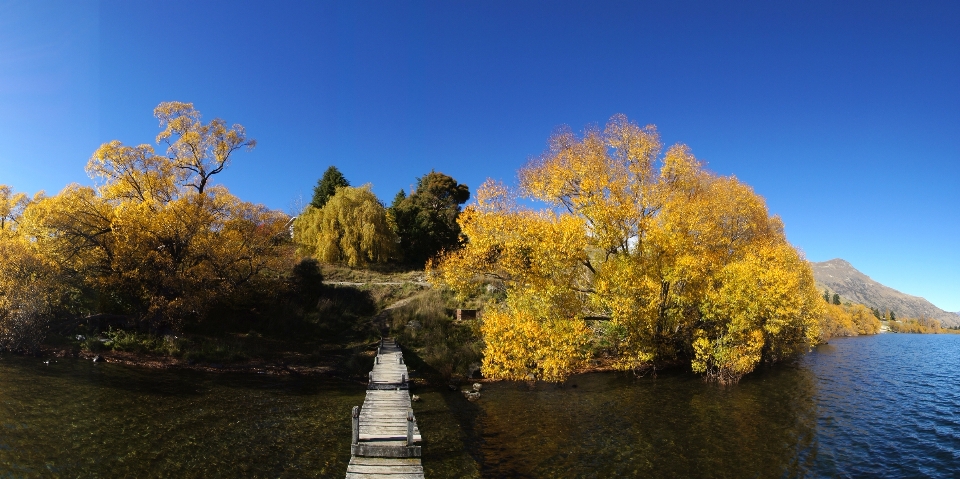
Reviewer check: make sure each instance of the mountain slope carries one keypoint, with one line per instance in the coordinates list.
(842, 278)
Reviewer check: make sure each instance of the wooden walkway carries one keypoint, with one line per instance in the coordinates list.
(384, 429)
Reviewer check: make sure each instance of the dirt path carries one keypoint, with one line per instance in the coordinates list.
(387, 283)
(383, 316)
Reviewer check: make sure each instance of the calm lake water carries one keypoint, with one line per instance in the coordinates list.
(880, 406)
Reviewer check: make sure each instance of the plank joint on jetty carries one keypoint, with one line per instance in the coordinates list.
(384, 428)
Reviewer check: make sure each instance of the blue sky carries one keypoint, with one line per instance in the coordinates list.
(845, 116)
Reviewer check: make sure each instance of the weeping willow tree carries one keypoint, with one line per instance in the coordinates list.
(352, 228)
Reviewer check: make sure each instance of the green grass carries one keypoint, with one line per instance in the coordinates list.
(371, 274)
(192, 348)
(425, 323)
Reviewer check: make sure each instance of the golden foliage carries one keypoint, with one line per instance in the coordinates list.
(198, 151)
(11, 207)
(919, 326)
(155, 240)
(685, 263)
(30, 287)
(764, 305)
(847, 320)
(352, 228)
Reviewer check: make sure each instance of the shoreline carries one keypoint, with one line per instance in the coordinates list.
(263, 366)
(151, 361)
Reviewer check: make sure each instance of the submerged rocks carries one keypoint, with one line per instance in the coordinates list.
(477, 387)
(471, 395)
(98, 359)
(415, 398)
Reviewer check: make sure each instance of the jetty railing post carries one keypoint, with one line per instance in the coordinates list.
(409, 427)
(355, 439)
(378, 359)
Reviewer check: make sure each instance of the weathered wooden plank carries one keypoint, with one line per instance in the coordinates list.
(383, 468)
(389, 437)
(374, 449)
(352, 475)
(373, 461)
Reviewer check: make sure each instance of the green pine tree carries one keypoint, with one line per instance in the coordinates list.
(327, 186)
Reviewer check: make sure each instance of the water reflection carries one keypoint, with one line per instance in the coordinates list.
(74, 418)
(607, 425)
(882, 406)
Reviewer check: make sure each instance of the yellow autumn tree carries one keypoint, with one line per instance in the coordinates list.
(11, 207)
(538, 332)
(352, 228)
(32, 288)
(155, 240)
(669, 252)
(31, 291)
(847, 320)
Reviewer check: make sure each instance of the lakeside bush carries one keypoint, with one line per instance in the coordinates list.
(919, 326)
(847, 320)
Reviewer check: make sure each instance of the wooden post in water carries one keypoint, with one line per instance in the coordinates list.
(410, 427)
(356, 426)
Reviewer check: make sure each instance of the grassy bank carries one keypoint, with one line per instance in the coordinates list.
(323, 322)
(443, 346)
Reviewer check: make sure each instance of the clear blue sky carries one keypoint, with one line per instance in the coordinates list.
(844, 115)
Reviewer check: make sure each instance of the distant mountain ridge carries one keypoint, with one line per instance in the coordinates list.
(842, 278)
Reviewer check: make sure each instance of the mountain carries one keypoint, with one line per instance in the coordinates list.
(842, 278)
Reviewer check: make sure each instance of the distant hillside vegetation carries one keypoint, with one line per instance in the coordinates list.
(842, 278)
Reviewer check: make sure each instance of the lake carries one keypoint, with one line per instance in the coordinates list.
(876, 406)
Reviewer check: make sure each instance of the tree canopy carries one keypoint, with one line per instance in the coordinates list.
(426, 221)
(154, 241)
(352, 228)
(686, 264)
(327, 187)
(197, 151)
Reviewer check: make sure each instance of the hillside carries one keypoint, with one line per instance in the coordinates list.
(842, 278)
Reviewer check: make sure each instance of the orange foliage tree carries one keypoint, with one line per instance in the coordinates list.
(687, 265)
(154, 240)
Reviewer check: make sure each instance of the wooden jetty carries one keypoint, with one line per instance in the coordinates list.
(384, 428)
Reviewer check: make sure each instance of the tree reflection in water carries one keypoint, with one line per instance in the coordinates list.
(613, 425)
